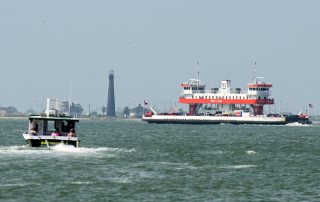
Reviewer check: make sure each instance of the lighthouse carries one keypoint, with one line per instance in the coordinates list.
(111, 108)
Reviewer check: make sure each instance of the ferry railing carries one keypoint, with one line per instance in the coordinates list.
(212, 91)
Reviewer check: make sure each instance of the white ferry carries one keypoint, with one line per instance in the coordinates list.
(225, 105)
(51, 128)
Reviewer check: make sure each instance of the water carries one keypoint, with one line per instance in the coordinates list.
(134, 161)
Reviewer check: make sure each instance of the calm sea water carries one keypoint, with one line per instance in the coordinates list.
(127, 160)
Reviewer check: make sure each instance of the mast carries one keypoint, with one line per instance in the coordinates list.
(70, 93)
(255, 72)
(198, 72)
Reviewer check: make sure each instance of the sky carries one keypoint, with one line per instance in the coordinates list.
(50, 47)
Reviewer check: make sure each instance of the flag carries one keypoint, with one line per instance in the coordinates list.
(310, 105)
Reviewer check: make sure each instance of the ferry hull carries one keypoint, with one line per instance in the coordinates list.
(164, 119)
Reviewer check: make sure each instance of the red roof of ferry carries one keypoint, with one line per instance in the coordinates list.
(185, 85)
(259, 85)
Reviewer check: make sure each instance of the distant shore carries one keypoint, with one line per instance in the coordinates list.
(80, 118)
(13, 117)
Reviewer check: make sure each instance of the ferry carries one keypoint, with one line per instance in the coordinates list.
(51, 128)
(226, 105)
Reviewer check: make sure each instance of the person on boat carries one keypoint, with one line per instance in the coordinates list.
(72, 133)
(55, 132)
(34, 129)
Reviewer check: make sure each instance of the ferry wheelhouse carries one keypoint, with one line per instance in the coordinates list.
(51, 128)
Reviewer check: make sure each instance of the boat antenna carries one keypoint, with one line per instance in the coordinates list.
(255, 72)
(70, 93)
(198, 72)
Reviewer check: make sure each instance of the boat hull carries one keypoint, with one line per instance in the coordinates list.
(262, 120)
(47, 141)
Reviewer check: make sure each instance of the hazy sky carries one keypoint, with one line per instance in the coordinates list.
(153, 46)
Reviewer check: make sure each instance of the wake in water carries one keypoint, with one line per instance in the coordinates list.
(298, 124)
(72, 149)
(250, 152)
(60, 149)
(239, 166)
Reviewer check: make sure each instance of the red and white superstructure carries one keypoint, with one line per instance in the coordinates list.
(225, 105)
(226, 98)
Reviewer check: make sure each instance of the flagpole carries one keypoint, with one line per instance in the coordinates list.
(70, 94)
(198, 74)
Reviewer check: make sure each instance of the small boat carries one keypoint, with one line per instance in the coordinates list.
(51, 128)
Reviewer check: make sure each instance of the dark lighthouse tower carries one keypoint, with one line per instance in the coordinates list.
(111, 108)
